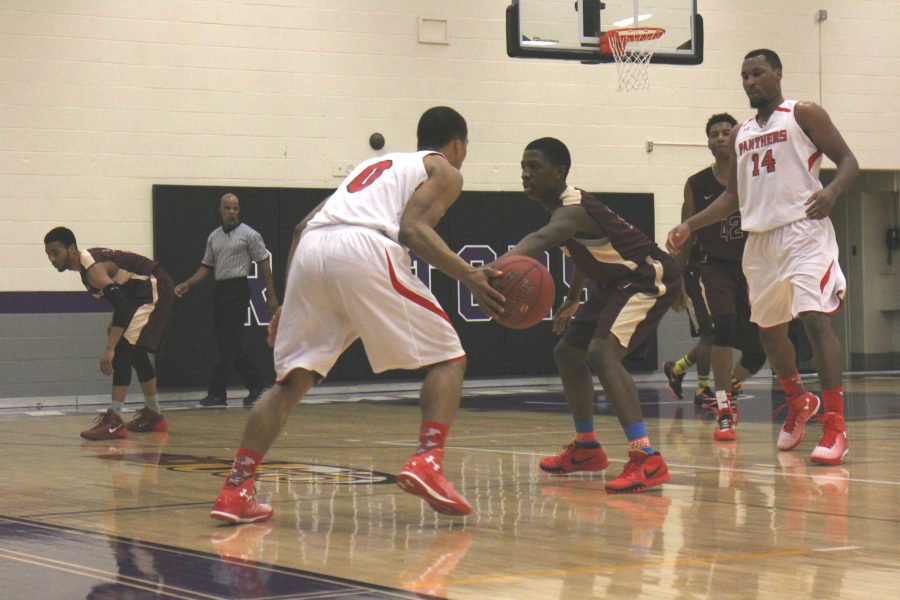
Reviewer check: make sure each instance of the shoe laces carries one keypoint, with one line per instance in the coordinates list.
(792, 415)
(829, 432)
(635, 460)
(725, 420)
(104, 417)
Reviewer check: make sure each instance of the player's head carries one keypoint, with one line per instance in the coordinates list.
(761, 76)
(443, 129)
(718, 128)
(545, 166)
(229, 211)
(61, 248)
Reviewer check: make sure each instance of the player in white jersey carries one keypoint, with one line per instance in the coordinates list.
(349, 276)
(791, 256)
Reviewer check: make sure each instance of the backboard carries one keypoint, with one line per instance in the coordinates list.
(572, 29)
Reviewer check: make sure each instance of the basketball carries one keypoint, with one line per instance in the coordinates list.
(528, 288)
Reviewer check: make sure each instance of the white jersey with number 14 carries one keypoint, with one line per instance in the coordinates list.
(777, 170)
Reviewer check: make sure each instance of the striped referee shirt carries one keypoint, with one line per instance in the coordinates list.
(229, 254)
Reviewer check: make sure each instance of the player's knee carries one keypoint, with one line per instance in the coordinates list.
(724, 327)
(142, 365)
(567, 356)
(753, 361)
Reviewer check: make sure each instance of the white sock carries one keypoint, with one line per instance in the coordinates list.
(117, 407)
(722, 400)
(152, 402)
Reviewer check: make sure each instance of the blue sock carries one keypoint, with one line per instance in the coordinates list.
(638, 438)
(585, 437)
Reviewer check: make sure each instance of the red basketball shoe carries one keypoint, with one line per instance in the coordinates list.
(724, 426)
(573, 459)
(642, 471)
(237, 504)
(108, 426)
(147, 420)
(833, 447)
(423, 476)
(800, 409)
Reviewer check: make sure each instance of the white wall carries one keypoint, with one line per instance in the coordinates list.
(100, 99)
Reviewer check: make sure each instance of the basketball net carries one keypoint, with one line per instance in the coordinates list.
(632, 48)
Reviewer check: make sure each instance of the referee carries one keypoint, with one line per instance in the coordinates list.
(229, 252)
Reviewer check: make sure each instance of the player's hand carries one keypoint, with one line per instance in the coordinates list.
(181, 289)
(564, 315)
(273, 328)
(489, 299)
(106, 366)
(819, 205)
(273, 306)
(677, 237)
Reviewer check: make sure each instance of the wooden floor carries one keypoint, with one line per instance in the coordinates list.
(102, 520)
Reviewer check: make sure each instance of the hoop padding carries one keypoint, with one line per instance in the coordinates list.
(632, 48)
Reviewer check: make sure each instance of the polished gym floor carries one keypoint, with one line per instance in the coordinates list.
(129, 519)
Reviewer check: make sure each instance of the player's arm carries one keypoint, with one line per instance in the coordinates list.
(564, 223)
(100, 276)
(199, 275)
(813, 119)
(688, 209)
(423, 211)
(721, 207)
(570, 304)
(265, 268)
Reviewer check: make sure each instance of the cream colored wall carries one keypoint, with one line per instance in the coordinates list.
(100, 99)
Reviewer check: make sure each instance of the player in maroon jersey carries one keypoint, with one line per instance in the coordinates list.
(142, 295)
(635, 283)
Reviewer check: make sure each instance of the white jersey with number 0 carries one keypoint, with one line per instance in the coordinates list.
(777, 170)
(375, 194)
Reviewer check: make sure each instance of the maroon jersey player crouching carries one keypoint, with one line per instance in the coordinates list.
(142, 295)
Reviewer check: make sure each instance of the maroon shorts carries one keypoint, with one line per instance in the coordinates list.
(630, 309)
(148, 325)
(724, 289)
(698, 311)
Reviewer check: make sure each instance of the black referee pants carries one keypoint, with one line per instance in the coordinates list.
(230, 300)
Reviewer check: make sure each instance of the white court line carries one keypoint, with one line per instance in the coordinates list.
(838, 549)
(44, 413)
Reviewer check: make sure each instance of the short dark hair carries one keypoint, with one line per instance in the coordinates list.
(440, 125)
(770, 56)
(553, 149)
(63, 235)
(720, 118)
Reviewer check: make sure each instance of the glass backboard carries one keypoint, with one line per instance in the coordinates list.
(572, 29)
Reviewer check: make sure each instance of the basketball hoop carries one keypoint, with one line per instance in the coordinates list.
(632, 48)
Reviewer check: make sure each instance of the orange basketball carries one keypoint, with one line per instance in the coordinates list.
(528, 288)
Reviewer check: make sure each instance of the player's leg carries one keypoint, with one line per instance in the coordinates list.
(236, 502)
(626, 324)
(110, 425)
(645, 467)
(149, 418)
(829, 359)
(584, 452)
(423, 475)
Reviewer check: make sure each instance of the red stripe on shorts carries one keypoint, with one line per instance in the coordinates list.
(826, 277)
(411, 295)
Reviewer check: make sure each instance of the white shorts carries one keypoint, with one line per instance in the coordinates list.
(350, 282)
(793, 269)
